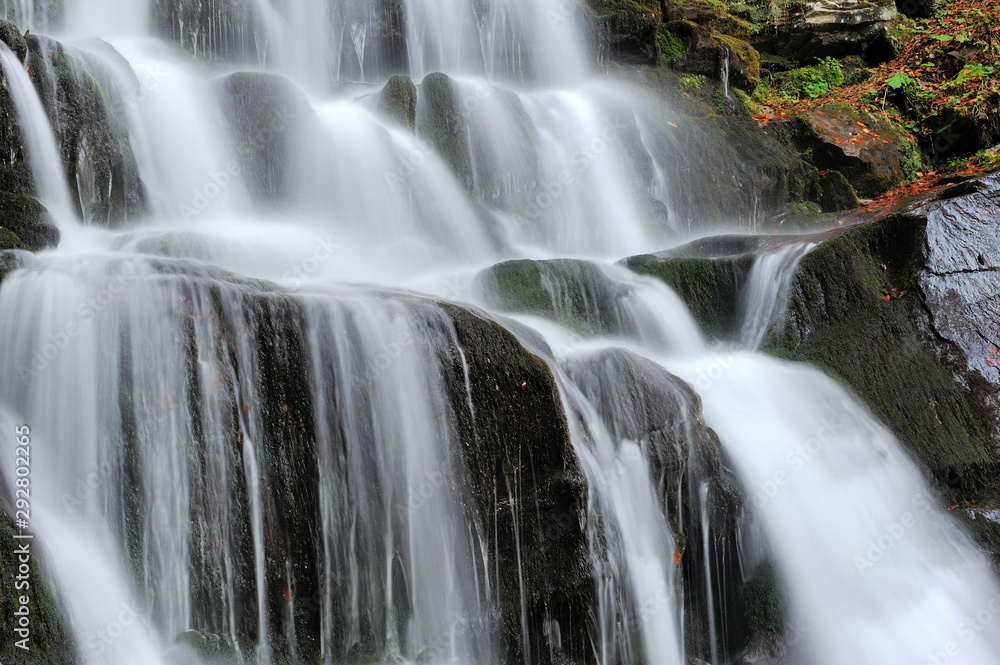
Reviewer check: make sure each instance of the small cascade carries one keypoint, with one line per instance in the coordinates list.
(358, 33)
(766, 292)
(724, 76)
(532, 41)
(40, 143)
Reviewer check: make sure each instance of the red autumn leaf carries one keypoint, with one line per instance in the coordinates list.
(991, 362)
(288, 595)
(677, 557)
(993, 351)
(953, 507)
(887, 298)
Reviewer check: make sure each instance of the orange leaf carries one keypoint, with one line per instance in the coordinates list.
(887, 298)
(993, 351)
(672, 124)
(991, 362)
(951, 508)
(677, 557)
(288, 595)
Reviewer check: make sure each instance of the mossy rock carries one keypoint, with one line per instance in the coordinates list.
(265, 112)
(12, 37)
(710, 287)
(574, 293)
(398, 100)
(763, 601)
(441, 121)
(836, 193)
(9, 240)
(872, 154)
(706, 53)
(27, 220)
(883, 347)
(86, 108)
(627, 29)
(51, 641)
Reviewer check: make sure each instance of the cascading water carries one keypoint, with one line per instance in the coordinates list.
(245, 428)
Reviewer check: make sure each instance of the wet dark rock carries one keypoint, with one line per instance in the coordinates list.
(28, 220)
(51, 639)
(12, 37)
(710, 287)
(574, 293)
(807, 29)
(86, 110)
(398, 100)
(641, 402)
(714, 55)
(441, 121)
(835, 192)
(266, 114)
(625, 30)
(519, 437)
(904, 310)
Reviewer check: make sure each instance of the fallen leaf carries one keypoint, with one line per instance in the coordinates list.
(677, 557)
(672, 124)
(288, 595)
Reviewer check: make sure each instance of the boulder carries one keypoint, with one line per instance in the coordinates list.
(266, 113)
(807, 29)
(870, 153)
(86, 111)
(710, 287)
(441, 121)
(639, 401)
(12, 37)
(28, 220)
(625, 31)
(398, 100)
(904, 310)
(576, 294)
(713, 54)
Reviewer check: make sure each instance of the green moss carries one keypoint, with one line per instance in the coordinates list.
(25, 219)
(838, 321)
(574, 293)
(692, 82)
(440, 121)
(763, 601)
(9, 240)
(709, 287)
(671, 48)
(747, 55)
(50, 641)
(398, 101)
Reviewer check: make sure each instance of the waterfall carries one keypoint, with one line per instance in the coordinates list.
(278, 415)
(43, 152)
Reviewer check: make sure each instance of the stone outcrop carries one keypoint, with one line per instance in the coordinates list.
(808, 29)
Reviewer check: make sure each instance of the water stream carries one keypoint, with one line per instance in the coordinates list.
(232, 356)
